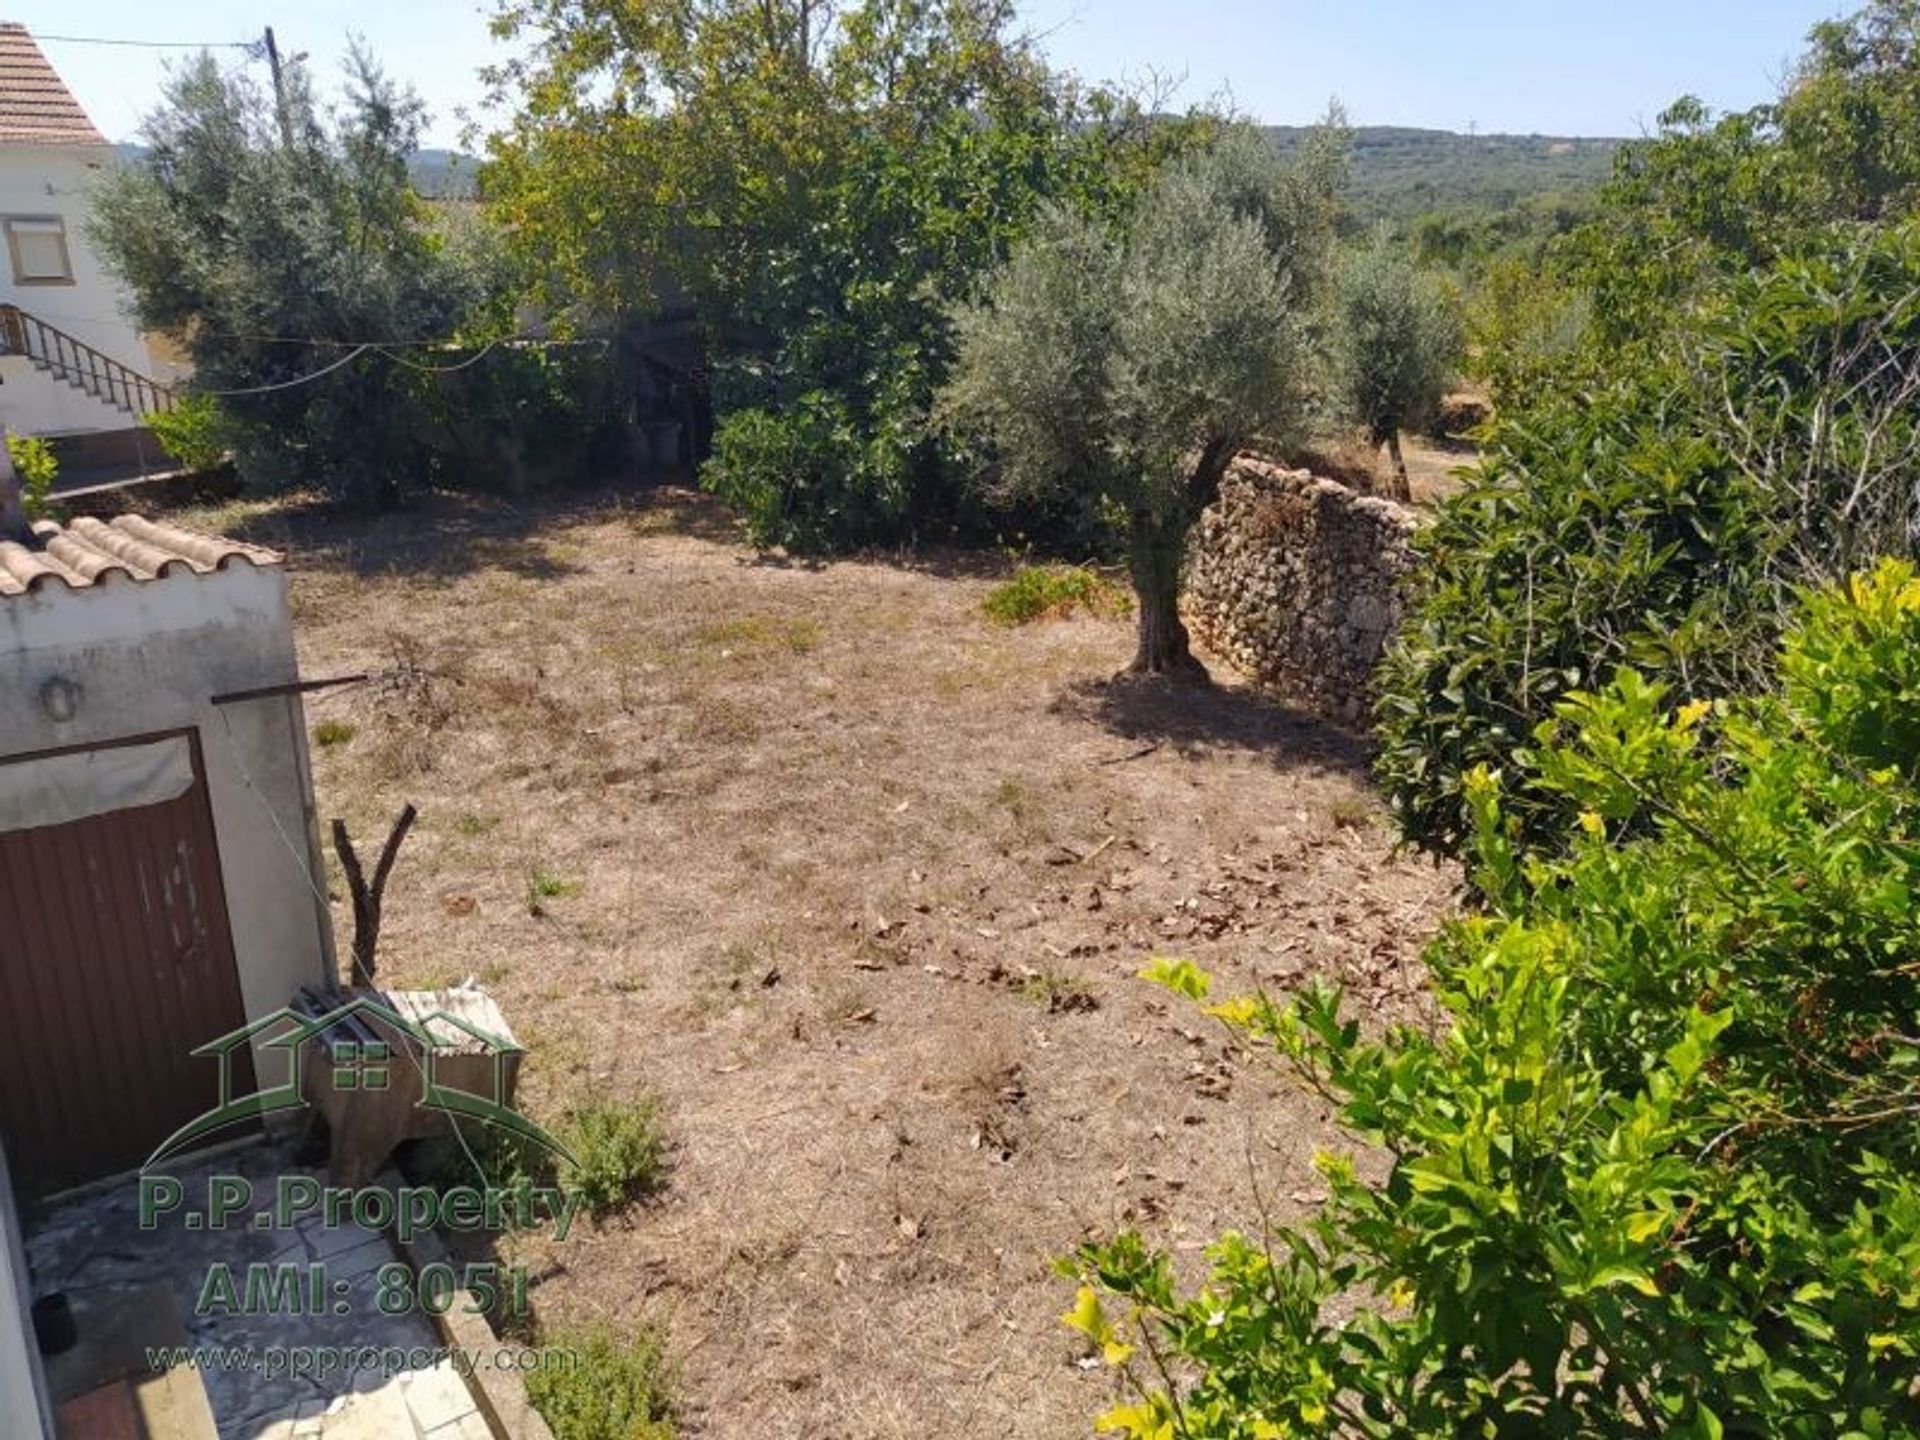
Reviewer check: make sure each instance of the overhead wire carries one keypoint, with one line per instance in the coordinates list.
(474, 359)
(377, 349)
(346, 359)
(149, 44)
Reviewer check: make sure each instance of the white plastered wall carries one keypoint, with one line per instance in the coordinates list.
(55, 180)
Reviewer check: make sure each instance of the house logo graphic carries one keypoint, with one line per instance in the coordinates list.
(367, 1046)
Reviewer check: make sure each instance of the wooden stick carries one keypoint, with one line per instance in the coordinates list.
(367, 899)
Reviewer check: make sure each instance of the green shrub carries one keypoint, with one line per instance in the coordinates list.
(804, 477)
(1522, 322)
(38, 467)
(619, 1150)
(1658, 1171)
(1661, 516)
(516, 419)
(1042, 591)
(196, 431)
(610, 1389)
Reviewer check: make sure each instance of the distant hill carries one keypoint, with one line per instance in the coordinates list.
(437, 174)
(1397, 172)
(445, 174)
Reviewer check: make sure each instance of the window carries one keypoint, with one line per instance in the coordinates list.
(37, 245)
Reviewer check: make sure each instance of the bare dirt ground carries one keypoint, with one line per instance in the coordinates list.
(859, 884)
(1432, 466)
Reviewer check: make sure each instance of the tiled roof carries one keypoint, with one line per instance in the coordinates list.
(89, 550)
(36, 108)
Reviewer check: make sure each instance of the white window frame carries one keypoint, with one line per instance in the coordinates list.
(53, 225)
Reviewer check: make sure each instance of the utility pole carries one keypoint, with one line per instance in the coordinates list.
(279, 91)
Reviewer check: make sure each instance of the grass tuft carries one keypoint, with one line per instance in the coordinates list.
(329, 733)
(1040, 592)
(544, 885)
(1350, 813)
(1060, 994)
(794, 634)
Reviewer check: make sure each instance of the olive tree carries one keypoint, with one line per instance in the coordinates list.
(1396, 338)
(1127, 363)
(269, 243)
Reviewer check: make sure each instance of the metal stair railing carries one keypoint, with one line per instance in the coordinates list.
(89, 370)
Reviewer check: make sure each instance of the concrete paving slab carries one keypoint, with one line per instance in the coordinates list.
(437, 1397)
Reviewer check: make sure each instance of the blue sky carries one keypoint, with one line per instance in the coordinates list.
(1571, 67)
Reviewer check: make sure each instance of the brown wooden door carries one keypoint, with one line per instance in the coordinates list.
(116, 960)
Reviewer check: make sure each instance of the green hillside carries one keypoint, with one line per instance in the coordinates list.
(437, 174)
(445, 174)
(1398, 172)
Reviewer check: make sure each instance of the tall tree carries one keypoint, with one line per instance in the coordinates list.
(269, 260)
(1130, 362)
(1396, 338)
(664, 149)
(819, 181)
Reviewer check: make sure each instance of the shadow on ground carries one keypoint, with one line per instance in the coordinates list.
(445, 534)
(1203, 718)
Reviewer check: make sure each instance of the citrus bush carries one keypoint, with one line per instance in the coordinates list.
(196, 431)
(806, 478)
(1658, 1171)
(1658, 511)
(38, 467)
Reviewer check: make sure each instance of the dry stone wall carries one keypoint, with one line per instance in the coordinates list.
(1296, 582)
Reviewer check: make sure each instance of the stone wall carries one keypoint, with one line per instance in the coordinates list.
(1295, 581)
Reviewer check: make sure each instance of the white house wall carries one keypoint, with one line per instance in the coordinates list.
(149, 655)
(56, 180)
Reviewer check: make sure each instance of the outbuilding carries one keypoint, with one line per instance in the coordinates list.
(161, 881)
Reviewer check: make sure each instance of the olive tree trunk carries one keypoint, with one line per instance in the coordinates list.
(1402, 489)
(1155, 552)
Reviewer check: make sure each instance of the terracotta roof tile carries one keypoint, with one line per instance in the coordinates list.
(36, 108)
(90, 550)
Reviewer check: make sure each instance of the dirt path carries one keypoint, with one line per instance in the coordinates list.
(858, 883)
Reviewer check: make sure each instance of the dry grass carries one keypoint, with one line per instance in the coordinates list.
(858, 883)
